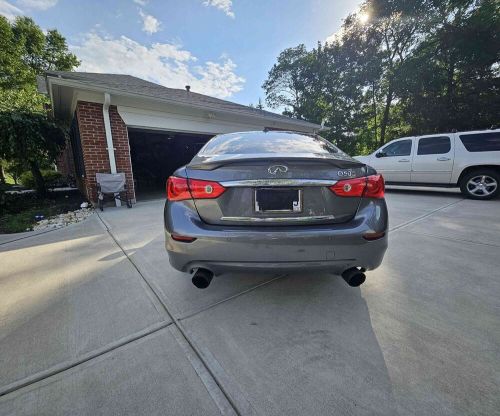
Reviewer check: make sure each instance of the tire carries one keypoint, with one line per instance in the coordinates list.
(480, 184)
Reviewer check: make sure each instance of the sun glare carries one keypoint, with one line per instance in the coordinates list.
(363, 17)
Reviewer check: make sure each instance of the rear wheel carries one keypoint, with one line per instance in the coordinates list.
(480, 184)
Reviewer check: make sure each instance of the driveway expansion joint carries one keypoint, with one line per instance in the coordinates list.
(421, 217)
(229, 408)
(68, 365)
(237, 295)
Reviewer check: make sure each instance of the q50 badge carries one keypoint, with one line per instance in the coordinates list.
(346, 173)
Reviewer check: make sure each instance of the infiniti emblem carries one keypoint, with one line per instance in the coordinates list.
(274, 169)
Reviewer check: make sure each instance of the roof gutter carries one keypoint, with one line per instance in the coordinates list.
(118, 92)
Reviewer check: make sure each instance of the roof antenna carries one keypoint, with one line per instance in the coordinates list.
(188, 88)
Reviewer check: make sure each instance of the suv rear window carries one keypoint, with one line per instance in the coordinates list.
(272, 142)
(434, 145)
(482, 142)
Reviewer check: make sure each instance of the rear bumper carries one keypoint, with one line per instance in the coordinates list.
(317, 247)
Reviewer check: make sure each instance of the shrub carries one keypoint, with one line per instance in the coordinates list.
(52, 179)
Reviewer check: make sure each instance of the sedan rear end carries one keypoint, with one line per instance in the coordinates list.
(275, 201)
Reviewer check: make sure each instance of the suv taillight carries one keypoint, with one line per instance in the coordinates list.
(179, 189)
(369, 187)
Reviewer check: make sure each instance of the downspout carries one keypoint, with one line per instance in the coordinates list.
(109, 137)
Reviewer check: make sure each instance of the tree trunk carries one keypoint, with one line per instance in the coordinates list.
(385, 117)
(2, 174)
(450, 91)
(39, 182)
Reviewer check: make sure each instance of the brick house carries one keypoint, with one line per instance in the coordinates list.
(121, 123)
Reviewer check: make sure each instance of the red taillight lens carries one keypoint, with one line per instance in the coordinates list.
(375, 187)
(205, 189)
(349, 187)
(179, 189)
(369, 187)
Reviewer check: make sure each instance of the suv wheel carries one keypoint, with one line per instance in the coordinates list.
(480, 184)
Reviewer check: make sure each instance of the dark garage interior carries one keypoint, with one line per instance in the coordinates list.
(156, 155)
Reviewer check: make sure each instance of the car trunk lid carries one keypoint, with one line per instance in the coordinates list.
(264, 190)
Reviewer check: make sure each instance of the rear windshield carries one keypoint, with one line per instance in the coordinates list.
(482, 142)
(255, 143)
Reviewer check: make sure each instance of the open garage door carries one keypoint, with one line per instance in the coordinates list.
(156, 155)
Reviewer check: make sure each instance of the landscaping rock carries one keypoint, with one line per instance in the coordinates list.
(63, 220)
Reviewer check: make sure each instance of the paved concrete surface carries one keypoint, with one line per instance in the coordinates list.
(96, 322)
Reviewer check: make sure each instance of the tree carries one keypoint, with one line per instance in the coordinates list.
(285, 84)
(396, 67)
(38, 52)
(452, 79)
(29, 138)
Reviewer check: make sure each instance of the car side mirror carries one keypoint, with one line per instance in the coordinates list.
(380, 154)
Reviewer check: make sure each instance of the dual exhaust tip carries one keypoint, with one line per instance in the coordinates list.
(354, 277)
(202, 278)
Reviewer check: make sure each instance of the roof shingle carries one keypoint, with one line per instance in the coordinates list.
(134, 85)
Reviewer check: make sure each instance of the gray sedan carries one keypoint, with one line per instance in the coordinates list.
(275, 201)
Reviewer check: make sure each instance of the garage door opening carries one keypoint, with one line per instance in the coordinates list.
(156, 155)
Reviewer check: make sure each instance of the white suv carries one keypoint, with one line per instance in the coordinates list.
(469, 160)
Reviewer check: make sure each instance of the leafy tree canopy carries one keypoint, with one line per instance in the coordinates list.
(27, 136)
(396, 67)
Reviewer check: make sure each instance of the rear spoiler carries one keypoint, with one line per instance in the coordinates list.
(339, 160)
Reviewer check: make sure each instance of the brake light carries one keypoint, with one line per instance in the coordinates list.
(177, 189)
(205, 189)
(349, 187)
(180, 189)
(370, 187)
(375, 187)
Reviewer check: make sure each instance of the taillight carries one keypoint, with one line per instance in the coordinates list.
(375, 187)
(349, 187)
(369, 187)
(205, 189)
(179, 189)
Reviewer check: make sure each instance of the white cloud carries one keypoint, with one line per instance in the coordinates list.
(38, 4)
(150, 24)
(225, 5)
(8, 10)
(141, 2)
(163, 63)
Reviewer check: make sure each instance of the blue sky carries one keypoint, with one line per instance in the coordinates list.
(223, 48)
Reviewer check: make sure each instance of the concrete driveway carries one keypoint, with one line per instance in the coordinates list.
(93, 321)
